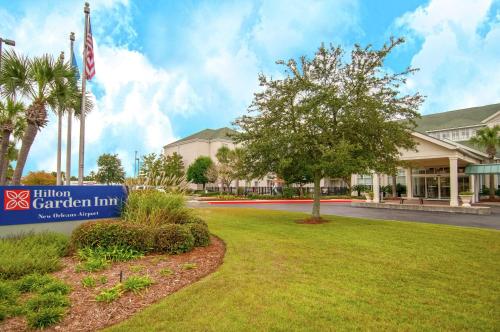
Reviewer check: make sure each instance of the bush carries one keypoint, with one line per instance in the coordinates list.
(29, 253)
(109, 234)
(200, 234)
(8, 293)
(173, 239)
(88, 282)
(55, 287)
(45, 317)
(288, 192)
(33, 282)
(137, 283)
(113, 253)
(49, 300)
(40, 178)
(110, 294)
(155, 208)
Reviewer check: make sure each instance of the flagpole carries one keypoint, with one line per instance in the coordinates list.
(59, 136)
(70, 121)
(81, 155)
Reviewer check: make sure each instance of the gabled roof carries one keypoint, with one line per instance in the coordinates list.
(208, 135)
(457, 118)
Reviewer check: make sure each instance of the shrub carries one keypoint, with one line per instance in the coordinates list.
(166, 272)
(173, 239)
(189, 266)
(8, 292)
(137, 283)
(92, 265)
(112, 234)
(113, 253)
(88, 282)
(200, 234)
(49, 300)
(30, 253)
(103, 280)
(155, 208)
(110, 294)
(55, 287)
(40, 178)
(33, 282)
(45, 317)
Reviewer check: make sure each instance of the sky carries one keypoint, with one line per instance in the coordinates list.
(167, 69)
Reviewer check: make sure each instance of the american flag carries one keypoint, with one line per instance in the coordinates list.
(89, 62)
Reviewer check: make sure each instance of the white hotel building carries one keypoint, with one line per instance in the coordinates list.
(437, 169)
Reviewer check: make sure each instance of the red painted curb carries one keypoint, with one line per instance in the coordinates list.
(280, 201)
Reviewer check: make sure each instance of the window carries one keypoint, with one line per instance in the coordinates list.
(365, 180)
(464, 134)
(454, 134)
(444, 135)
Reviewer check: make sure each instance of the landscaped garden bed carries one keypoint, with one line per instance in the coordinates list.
(168, 274)
(108, 269)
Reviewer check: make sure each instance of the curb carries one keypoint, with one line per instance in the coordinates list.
(279, 201)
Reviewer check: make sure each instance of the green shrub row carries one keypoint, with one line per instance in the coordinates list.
(31, 253)
(168, 238)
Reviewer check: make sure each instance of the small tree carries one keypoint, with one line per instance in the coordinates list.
(333, 116)
(110, 169)
(489, 139)
(197, 171)
(212, 173)
(40, 178)
(174, 165)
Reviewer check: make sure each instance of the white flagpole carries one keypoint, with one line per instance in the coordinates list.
(81, 156)
(70, 121)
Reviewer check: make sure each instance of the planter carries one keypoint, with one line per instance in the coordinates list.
(466, 199)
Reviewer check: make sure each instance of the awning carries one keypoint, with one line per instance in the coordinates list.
(483, 169)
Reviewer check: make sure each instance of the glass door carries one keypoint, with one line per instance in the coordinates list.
(444, 183)
(433, 187)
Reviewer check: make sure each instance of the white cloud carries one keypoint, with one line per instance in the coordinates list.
(134, 100)
(458, 57)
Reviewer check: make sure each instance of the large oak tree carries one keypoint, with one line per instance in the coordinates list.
(333, 115)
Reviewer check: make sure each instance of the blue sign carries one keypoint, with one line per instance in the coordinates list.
(40, 204)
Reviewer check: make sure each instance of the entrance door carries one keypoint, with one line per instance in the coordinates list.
(433, 187)
(444, 187)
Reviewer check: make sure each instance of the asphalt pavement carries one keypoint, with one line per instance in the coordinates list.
(345, 209)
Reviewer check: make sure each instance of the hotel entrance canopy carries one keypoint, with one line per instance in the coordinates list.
(483, 169)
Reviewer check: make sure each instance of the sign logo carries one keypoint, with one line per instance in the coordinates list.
(15, 200)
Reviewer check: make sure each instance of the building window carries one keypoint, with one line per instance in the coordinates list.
(365, 180)
(444, 135)
(454, 134)
(464, 133)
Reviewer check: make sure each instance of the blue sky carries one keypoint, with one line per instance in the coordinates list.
(166, 69)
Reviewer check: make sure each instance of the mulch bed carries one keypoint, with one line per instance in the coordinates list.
(86, 314)
(312, 221)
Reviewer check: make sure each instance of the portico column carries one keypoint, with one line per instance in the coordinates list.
(376, 187)
(409, 183)
(472, 187)
(476, 187)
(453, 181)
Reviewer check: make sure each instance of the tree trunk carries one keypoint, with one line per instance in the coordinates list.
(68, 149)
(4, 166)
(28, 138)
(394, 193)
(3, 156)
(317, 196)
(59, 140)
(492, 186)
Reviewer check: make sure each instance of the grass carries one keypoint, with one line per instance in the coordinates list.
(189, 266)
(135, 284)
(344, 275)
(30, 253)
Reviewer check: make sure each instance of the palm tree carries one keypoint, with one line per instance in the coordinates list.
(489, 139)
(65, 98)
(39, 79)
(12, 152)
(10, 118)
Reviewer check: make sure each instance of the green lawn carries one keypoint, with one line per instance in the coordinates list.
(347, 274)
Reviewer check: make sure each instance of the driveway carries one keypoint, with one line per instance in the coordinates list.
(345, 209)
